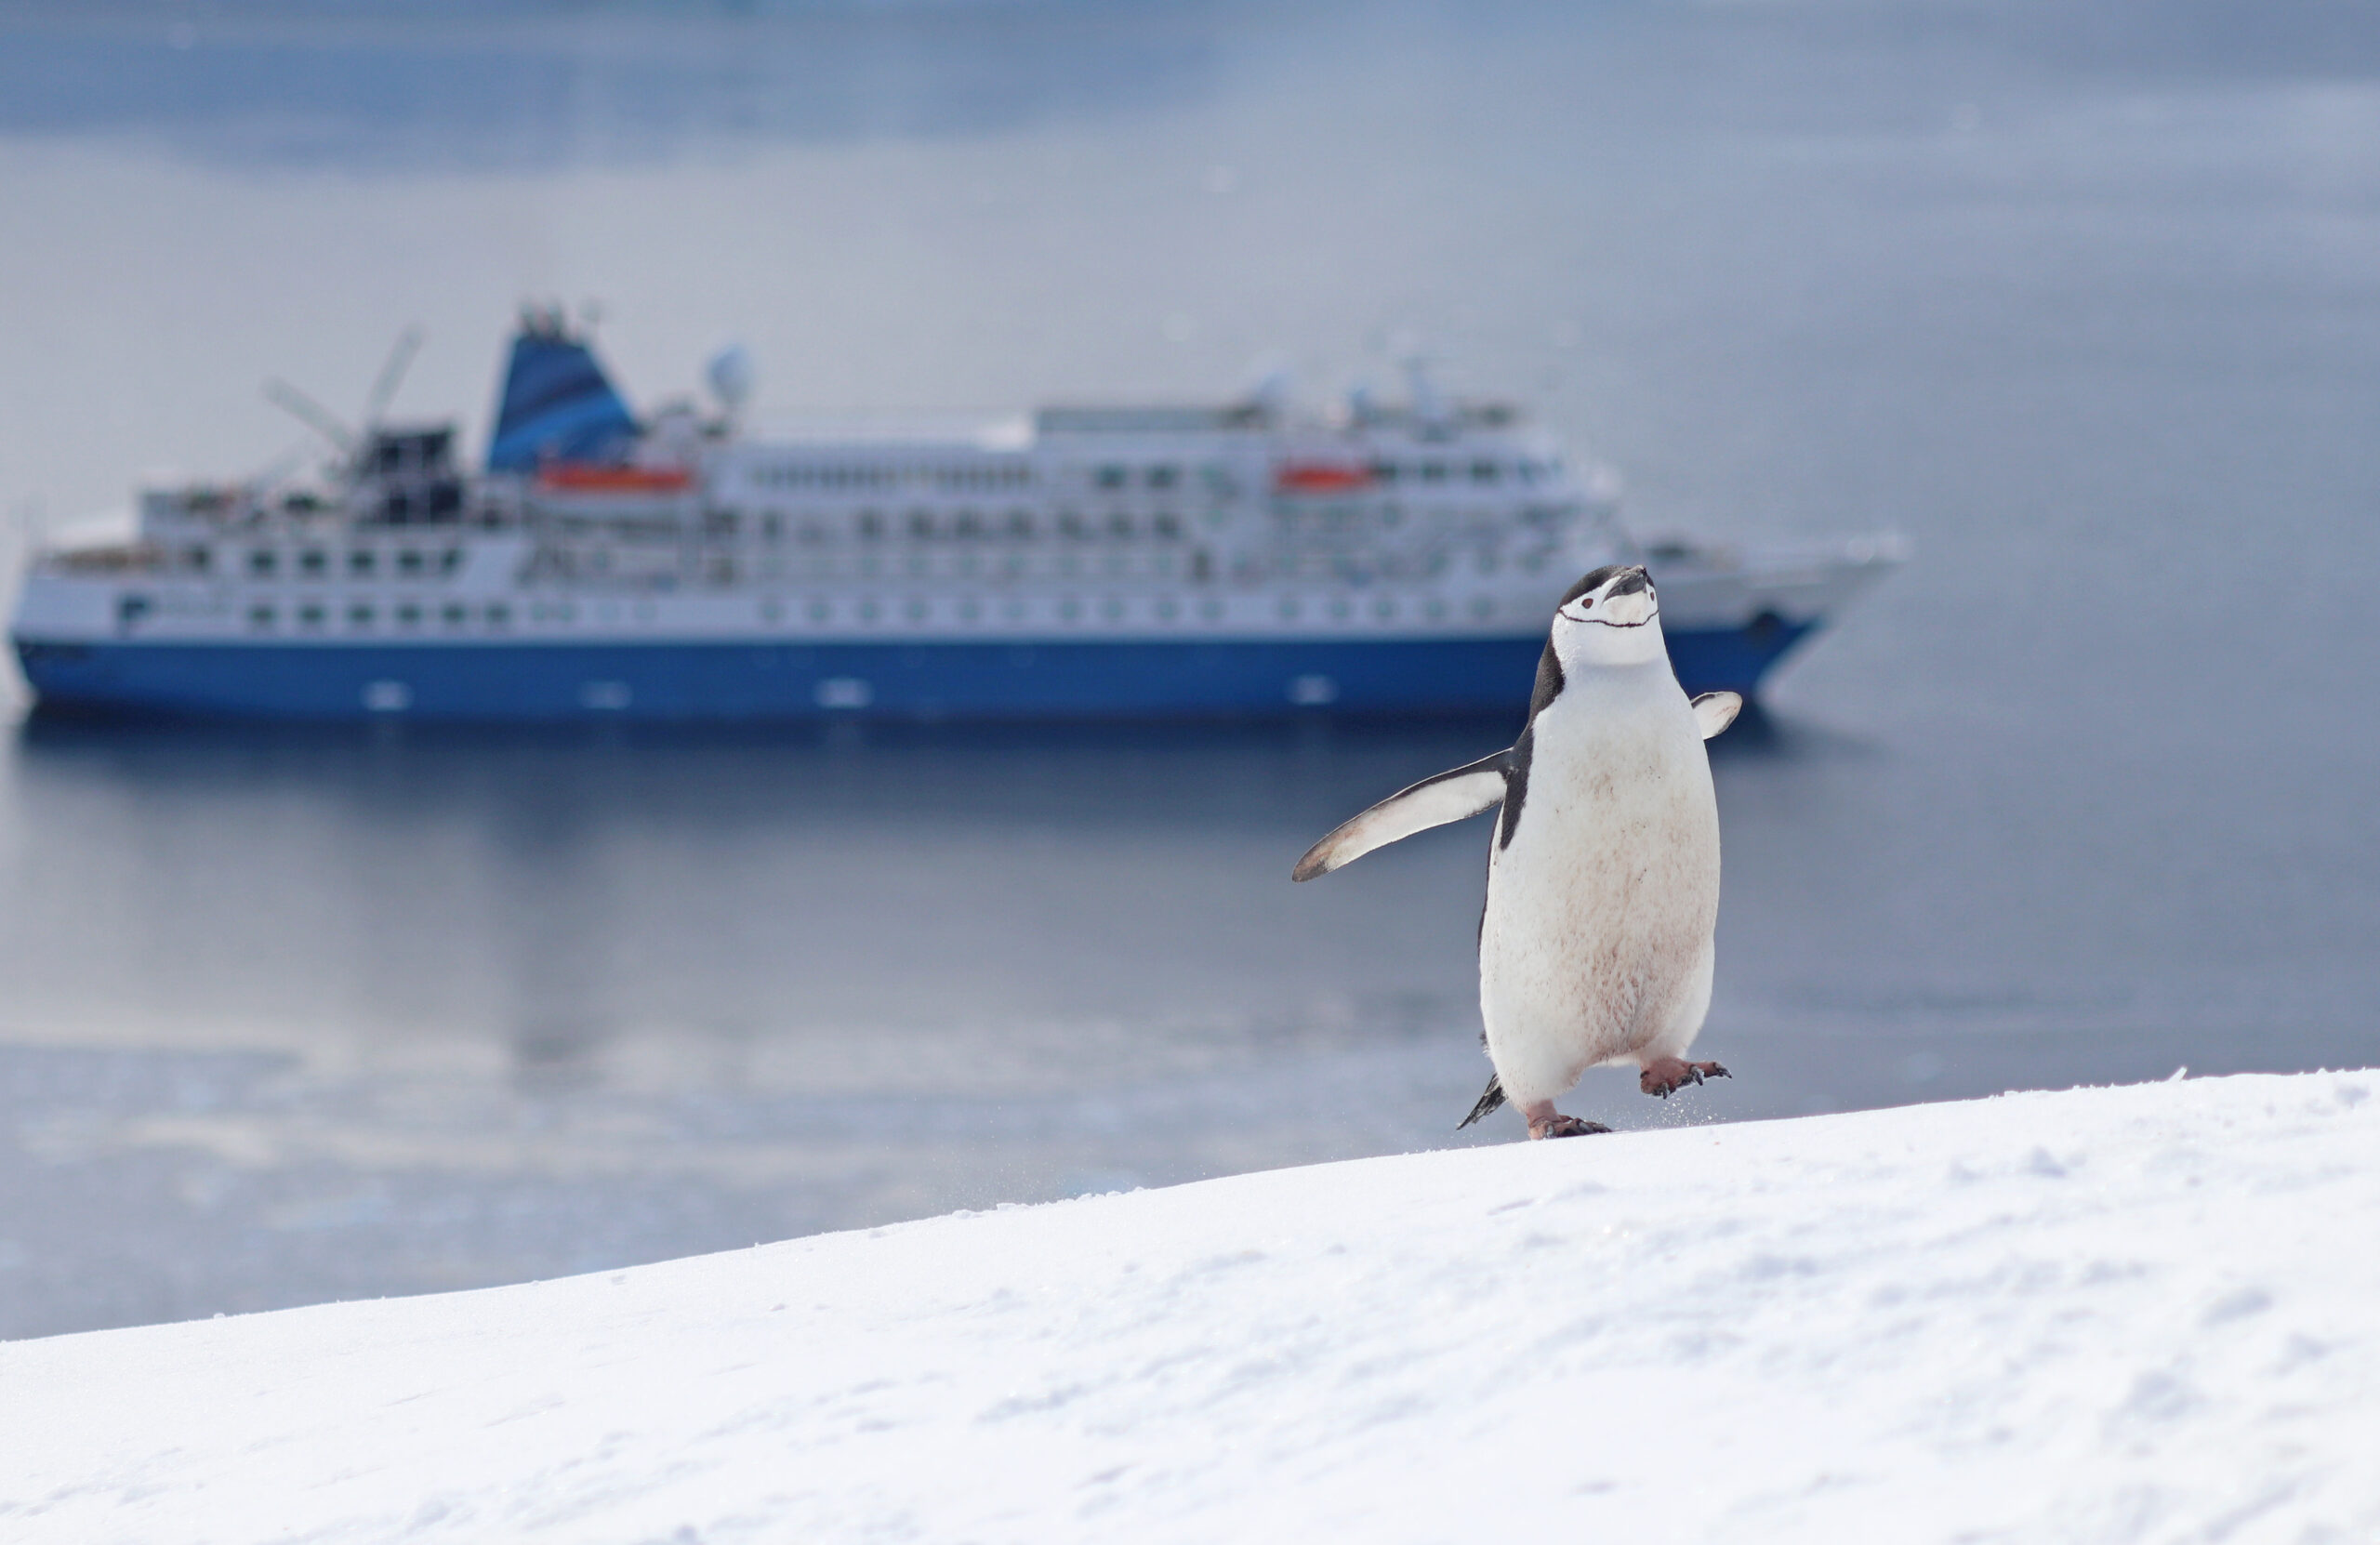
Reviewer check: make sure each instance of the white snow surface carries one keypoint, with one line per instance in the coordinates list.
(2112, 1315)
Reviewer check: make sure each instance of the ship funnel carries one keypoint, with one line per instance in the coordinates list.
(557, 405)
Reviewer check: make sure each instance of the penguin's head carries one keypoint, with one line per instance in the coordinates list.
(1611, 616)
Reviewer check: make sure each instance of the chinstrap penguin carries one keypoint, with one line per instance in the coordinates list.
(1603, 873)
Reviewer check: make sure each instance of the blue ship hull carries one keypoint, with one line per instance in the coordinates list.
(771, 680)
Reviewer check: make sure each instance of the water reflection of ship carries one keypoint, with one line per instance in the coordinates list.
(1241, 558)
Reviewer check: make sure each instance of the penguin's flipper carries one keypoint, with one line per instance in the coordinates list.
(1715, 710)
(1432, 802)
(1493, 1097)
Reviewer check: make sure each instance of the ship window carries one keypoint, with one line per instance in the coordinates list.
(409, 561)
(1383, 471)
(720, 522)
(1485, 471)
(771, 526)
(359, 616)
(500, 615)
(309, 616)
(970, 524)
(871, 524)
(1167, 527)
(455, 617)
(1432, 472)
(1020, 522)
(920, 523)
(263, 560)
(198, 559)
(449, 561)
(313, 561)
(1119, 524)
(1071, 524)
(1164, 476)
(1111, 477)
(409, 616)
(361, 560)
(260, 617)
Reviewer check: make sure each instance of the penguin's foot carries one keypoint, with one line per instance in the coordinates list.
(1545, 1121)
(1666, 1075)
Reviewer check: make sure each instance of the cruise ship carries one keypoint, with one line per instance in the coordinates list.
(1099, 561)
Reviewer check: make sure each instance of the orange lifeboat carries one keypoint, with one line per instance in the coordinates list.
(1321, 477)
(569, 477)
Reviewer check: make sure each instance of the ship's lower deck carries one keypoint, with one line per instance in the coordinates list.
(764, 679)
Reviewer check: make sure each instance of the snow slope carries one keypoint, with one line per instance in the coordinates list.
(2145, 1314)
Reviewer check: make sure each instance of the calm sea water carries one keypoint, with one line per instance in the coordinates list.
(2080, 297)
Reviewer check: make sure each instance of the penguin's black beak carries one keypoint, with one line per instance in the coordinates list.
(1630, 582)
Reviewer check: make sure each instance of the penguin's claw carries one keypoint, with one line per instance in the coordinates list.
(1665, 1076)
(1565, 1126)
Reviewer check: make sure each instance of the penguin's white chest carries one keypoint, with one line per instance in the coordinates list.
(1596, 943)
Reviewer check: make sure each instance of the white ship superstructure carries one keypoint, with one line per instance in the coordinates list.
(1093, 561)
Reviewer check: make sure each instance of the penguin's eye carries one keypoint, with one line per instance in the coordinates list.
(1588, 604)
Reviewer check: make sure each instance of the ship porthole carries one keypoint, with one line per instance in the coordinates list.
(1069, 609)
(917, 611)
(820, 611)
(1211, 610)
(1166, 611)
(868, 610)
(1482, 608)
(1112, 609)
(844, 691)
(1288, 608)
(1313, 692)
